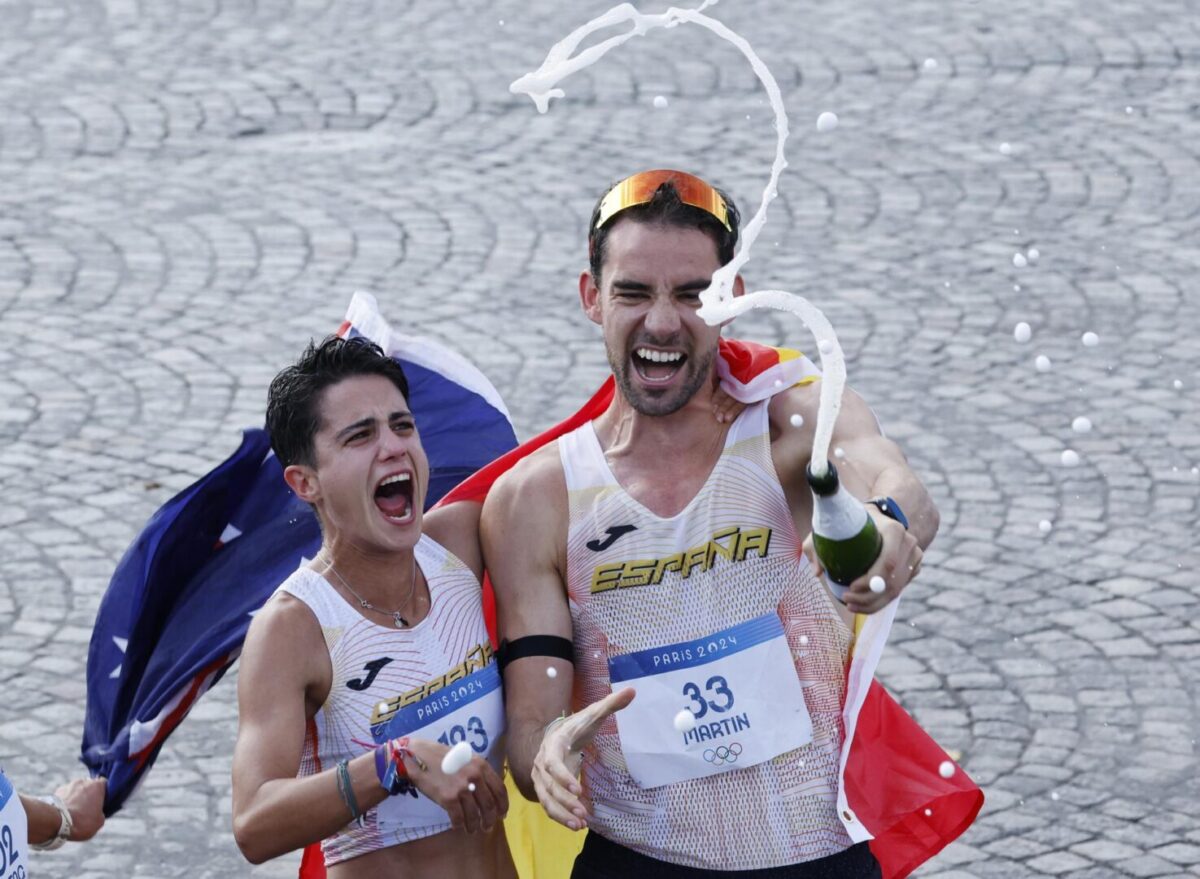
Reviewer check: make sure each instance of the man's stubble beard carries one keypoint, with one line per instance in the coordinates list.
(654, 405)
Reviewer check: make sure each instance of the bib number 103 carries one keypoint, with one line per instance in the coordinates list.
(716, 696)
(458, 733)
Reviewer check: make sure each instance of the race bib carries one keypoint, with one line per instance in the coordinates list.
(470, 710)
(14, 832)
(740, 684)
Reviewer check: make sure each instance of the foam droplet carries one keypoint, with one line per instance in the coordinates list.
(1006, 149)
(1177, 385)
(1022, 332)
(947, 769)
(1042, 362)
(929, 813)
(1033, 254)
(456, 758)
(551, 671)
(827, 121)
(1082, 424)
(1019, 260)
(1054, 795)
(660, 102)
(471, 786)
(1044, 526)
(825, 346)
(797, 420)
(878, 585)
(1129, 111)
(1090, 339)
(381, 707)
(804, 640)
(778, 383)
(685, 721)
(929, 64)
(1070, 458)
(839, 453)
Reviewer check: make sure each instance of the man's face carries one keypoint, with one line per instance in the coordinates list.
(371, 472)
(660, 351)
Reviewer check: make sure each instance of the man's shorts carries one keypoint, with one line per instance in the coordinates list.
(602, 859)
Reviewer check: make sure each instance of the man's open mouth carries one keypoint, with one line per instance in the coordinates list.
(657, 367)
(394, 497)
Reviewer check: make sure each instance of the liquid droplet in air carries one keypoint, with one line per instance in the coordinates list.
(878, 585)
(1019, 260)
(1177, 385)
(1044, 526)
(551, 672)
(797, 420)
(827, 121)
(456, 758)
(1006, 149)
(660, 102)
(1090, 339)
(1082, 424)
(947, 769)
(929, 64)
(1042, 362)
(685, 721)
(1022, 332)
(1033, 255)
(1070, 458)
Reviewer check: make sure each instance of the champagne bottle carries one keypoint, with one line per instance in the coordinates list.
(844, 535)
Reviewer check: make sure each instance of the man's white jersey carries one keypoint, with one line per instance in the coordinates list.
(638, 582)
(14, 833)
(380, 672)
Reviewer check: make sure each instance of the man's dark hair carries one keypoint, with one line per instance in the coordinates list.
(293, 401)
(666, 208)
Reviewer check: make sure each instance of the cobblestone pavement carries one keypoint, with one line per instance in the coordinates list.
(192, 189)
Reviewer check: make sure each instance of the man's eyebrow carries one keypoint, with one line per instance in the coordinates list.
(633, 286)
(691, 286)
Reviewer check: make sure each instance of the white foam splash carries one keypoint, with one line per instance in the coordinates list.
(717, 301)
(456, 758)
(684, 721)
(1022, 332)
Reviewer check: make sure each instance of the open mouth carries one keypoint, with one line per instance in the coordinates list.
(657, 367)
(394, 497)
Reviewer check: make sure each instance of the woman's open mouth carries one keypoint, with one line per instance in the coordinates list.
(394, 497)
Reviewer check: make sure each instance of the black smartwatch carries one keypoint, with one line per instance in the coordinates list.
(891, 509)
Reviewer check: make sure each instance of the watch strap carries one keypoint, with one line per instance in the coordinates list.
(891, 509)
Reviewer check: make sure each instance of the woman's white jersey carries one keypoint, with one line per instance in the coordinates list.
(730, 562)
(381, 672)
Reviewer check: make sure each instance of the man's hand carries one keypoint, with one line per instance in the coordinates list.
(474, 796)
(898, 563)
(84, 799)
(556, 767)
(724, 407)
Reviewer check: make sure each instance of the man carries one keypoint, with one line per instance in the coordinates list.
(373, 659)
(652, 544)
(74, 812)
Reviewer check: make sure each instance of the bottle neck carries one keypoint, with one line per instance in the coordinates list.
(838, 516)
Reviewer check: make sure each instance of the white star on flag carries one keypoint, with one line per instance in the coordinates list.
(122, 645)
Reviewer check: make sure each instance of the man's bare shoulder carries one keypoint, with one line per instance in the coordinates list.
(539, 476)
(803, 400)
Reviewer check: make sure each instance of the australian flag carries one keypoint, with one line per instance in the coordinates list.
(177, 609)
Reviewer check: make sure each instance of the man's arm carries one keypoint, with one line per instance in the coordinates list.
(523, 531)
(83, 798)
(872, 466)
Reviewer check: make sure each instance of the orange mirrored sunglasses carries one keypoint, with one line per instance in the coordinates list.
(640, 188)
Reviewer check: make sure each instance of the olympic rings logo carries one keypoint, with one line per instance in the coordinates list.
(721, 755)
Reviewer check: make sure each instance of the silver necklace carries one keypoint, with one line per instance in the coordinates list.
(400, 621)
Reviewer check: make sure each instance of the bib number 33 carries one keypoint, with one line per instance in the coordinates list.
(717, 689)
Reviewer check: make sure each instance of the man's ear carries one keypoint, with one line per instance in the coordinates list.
(303, 480)
(589, 296)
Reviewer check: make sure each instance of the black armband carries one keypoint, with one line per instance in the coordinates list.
(535, 645)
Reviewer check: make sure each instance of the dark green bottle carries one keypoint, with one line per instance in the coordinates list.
(844, 534)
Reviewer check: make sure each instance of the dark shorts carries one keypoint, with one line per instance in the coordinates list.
(602, 859)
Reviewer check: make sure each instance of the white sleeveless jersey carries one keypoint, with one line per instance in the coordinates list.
(14, 833)
(637, 581)
(380, 669)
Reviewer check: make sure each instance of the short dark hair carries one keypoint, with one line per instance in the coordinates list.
(666, 208)
(293, 400)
